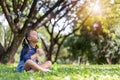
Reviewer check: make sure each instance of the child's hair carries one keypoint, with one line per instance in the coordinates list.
(25, 41)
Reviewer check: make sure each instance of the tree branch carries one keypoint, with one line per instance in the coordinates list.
(53, 15)
(63, 15)
(44, 45)
(63, 25)
(46, 27)
(47, 13)
(8, 17)
(59, 46)
(14, 6)
(19, 4)
(30, 16)
(24, 5)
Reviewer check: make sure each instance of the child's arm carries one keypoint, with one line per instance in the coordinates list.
(37, 53)
(34, 56)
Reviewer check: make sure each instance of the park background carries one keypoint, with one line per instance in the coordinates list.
(80, 37)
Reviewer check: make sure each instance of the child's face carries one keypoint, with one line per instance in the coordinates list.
(33, 37)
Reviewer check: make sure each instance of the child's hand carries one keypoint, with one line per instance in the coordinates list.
(39, 50)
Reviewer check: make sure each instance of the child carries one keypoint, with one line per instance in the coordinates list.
(30, 52)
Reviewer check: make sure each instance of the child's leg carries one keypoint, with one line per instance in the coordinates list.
(29, 64)
(46, 64)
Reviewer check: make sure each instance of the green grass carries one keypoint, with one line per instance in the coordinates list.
(64, 72)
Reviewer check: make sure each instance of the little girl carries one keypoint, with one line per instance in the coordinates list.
(30, 52)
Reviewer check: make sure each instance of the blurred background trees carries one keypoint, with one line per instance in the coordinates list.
(97, 39)
(68, 29)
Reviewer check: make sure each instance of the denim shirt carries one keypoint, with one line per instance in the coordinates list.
(24, 56)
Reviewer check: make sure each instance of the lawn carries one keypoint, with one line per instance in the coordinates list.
(64, 72)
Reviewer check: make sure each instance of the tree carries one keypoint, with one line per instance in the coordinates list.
(97, 25)
(62, 21)
(24, 14)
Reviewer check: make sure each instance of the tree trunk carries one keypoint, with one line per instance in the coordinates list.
(49, 53)
(8, 55)
(109, 61)
(2, 51)
(50, 50)
(48, 56)
(57, 54)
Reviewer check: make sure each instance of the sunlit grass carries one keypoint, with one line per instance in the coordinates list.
(64, 72)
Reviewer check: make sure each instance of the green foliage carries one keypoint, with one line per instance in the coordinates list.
(94, 48)
(96, 38)
(64, 72)
(77, 43)
(81, 46)
(113, 50)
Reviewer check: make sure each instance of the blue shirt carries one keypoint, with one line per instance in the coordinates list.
(26, 54)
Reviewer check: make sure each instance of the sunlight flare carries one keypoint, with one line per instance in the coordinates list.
(96, 8)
